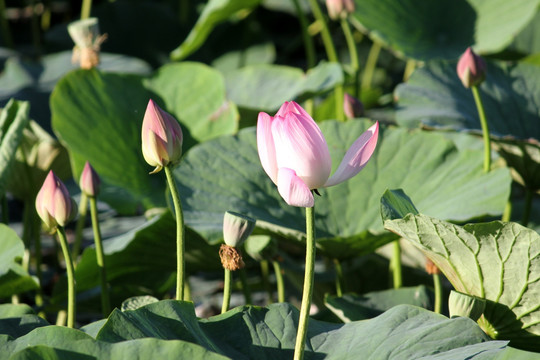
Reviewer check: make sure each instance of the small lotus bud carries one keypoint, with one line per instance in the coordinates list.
(236, 228)
(231, 257)
(53, 203)
(465, 305)
(339, 8)
(352, 107)
(471, 69)
(161, 138)
(89, 182)
(85, 34)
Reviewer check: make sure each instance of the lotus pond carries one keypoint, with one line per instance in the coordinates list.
(270, 179)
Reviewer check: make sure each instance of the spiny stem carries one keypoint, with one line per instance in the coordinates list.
(100, 257)
(70, 277)
(180, 243)
(226, 290)
(308, 285)
(279, 281)
(485, 128)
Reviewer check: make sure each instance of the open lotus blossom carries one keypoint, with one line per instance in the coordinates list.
(161, 137)
(295, 155)
(53, 203)
(89, 182)
(471, 68)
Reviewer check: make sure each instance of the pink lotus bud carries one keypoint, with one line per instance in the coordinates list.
(471, 69)
(339, 8)
(294, 154)
(352, 107)
(53, 203)
(236, 228)
(89, 182)
(161, 138)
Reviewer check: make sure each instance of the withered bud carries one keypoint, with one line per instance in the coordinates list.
(431, 268)
(231, 257)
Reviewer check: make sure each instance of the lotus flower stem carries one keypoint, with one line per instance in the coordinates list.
(308, 285)
(85, 9)
(245, 286)
(70, 276)
(180, 243)
(265, 281)
(485, 129)
(438, 293)
(105, 303)
(308, 41)
(226, 291)
(279, 281)
(371, 64)
(331, 53)
(507, 213)
(339, 278)
(395, 264)
(353, 54)
(83, 209)
(527, 207)
(6, 33)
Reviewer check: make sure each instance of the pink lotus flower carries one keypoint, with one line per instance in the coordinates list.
(294, 154)
(471, 68)
(339, 8)
(161, 138)
(53, 203)
(352, 107)
(89, 182)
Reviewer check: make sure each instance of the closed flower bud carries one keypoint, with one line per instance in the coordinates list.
(53, 203)
(339, 8)
(352, 107)
(471, 69)
(161, 138)
(236, 228)
(89, 182)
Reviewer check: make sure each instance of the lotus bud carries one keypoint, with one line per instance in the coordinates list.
(460, 304)
(471, 69)
(339, 8)
(236, 228)
(53, 203)
(89, 182)
(161, 138)
(352, 107)
(85, 34)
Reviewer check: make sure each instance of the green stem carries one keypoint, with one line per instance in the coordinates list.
(180, 245)
(70, 277)
(485, 129)
(331, 53)
(226, 291)
(395, 264)
(353, 54)
(265, 274)
(339, 278)
(85, 9)
(308, 41)
(279, 281)
(438, 293)
(308, 285)
(83, 210)
(100, 257)
(527, 207)
(371, 64)
(507, 214)
(409, 69)
(4, 25)
(5, 210)
(245, 286)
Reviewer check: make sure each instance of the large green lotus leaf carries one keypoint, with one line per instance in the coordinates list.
(55, 342)
(435, 97)
(426, 30)
(225, 174)
(528, 40)
(266, 87)
(250, 332)
(214, 12)
(99, 116)
(13, 120)
(496, 261)
(13, 278)
(352, 307)
(140, 261)
(13, 310)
